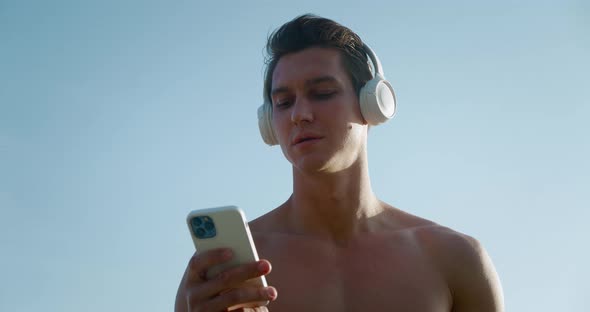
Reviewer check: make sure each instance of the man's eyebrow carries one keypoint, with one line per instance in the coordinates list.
(320, 80)
(308, 83)
(278, 90)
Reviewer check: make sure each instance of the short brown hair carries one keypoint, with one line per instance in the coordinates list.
(309, 30)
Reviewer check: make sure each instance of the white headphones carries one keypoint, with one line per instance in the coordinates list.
(377, 101)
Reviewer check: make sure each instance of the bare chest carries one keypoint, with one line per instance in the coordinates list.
(376, 276)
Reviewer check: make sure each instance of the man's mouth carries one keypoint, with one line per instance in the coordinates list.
(302, 139)
(306, 139)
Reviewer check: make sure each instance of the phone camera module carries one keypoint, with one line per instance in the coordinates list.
(197, 222)
(203, 227)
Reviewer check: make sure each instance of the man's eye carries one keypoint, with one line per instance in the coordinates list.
(282, 104)
(324, 95)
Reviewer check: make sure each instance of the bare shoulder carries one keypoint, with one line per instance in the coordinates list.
(451, 250)
(267, 229)
(266, 222)
(466, 266)
(442, 242)
(460, 258)
(438, 241)
(272, 222)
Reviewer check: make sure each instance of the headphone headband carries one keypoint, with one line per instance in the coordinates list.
(374, 60)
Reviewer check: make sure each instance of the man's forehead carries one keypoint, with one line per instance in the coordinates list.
(308, 67)
(307, 83)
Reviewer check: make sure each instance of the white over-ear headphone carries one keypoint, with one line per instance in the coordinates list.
(377, 101)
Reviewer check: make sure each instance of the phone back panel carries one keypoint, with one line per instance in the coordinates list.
(231, 231)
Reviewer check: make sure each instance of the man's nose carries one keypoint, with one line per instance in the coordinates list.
(302, 111)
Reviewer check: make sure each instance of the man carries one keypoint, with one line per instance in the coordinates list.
(333, 245)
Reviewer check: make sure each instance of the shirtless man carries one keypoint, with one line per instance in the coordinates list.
(333, 245)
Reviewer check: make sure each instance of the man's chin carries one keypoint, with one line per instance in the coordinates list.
(316, 165)
(309, 164)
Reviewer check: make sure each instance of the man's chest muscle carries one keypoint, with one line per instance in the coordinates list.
(313, 278)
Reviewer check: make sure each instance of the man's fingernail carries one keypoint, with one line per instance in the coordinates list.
(262, 266)
(271, 292)
(227, 254)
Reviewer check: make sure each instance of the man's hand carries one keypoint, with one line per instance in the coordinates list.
(224, 291)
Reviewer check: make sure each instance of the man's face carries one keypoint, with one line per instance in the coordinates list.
(316, 114)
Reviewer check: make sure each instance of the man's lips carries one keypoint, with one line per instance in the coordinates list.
(304, 138)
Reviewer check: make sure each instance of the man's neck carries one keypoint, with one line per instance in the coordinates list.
(334, 206)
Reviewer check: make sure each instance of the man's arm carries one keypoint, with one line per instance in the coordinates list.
(474, 283)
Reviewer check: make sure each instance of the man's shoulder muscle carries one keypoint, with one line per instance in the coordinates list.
(467, 267)
(461, 260)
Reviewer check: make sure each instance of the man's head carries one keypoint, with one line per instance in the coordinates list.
(377, 99)
(308, 31)
(320, 95)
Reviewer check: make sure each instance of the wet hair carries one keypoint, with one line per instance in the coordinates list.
(310, 30)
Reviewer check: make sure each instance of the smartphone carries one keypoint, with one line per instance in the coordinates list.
(225, 227)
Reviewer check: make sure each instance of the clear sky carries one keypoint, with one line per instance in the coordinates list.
(119, 117)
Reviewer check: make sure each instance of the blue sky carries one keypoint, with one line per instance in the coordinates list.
(119, 117)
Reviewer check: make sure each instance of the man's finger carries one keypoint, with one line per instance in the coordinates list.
(233, 278)
(200, 263)
(240, 296)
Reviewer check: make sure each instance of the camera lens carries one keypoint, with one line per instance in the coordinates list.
(209, 226)
(201, 233)
(197, 221)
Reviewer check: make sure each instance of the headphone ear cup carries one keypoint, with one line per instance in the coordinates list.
(377, 101)
(265, 125)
